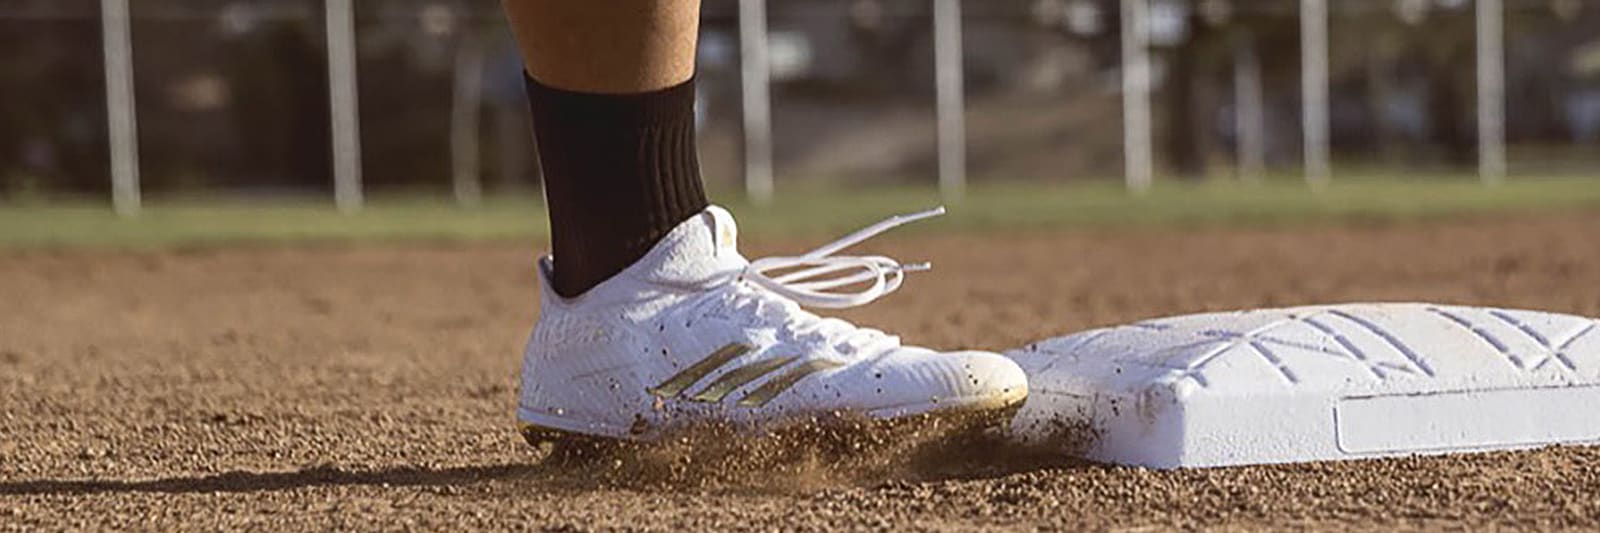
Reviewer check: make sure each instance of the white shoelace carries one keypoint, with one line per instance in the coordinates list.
(820, 272)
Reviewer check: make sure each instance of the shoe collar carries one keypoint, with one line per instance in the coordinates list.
(697, 253)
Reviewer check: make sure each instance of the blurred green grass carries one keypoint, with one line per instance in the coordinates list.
(1006, 207)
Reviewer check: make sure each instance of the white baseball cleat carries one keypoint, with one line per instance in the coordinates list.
(694, 333)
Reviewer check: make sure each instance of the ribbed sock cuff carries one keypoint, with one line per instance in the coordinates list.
(620, 171)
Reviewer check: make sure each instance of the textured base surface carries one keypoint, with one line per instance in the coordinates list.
(1316, 383)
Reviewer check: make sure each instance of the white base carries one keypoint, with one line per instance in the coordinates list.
(1315, 383)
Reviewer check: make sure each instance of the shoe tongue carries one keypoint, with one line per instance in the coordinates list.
(725, 232)
(698, 249)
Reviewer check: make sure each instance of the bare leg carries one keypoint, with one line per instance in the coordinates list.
(607, 46)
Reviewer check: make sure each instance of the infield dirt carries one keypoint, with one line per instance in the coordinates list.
(371, 387)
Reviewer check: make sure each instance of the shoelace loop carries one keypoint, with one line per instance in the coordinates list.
(820, 272)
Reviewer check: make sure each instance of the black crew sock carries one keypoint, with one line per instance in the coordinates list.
(620, 171)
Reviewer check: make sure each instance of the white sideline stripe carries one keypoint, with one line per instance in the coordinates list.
(1467, 420)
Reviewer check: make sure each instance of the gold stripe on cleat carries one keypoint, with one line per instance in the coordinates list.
(780, 384)
(681, 381)
(740, 377)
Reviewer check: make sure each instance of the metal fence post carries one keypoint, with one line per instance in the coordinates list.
(756, 77)
(1314, 90)
(1249, 110)
(1491, 92)
(344, 105)
(465, 111)
(122, 120)
(947, 51)
(1139, 166)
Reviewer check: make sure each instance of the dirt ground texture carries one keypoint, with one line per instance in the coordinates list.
(372, 387)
